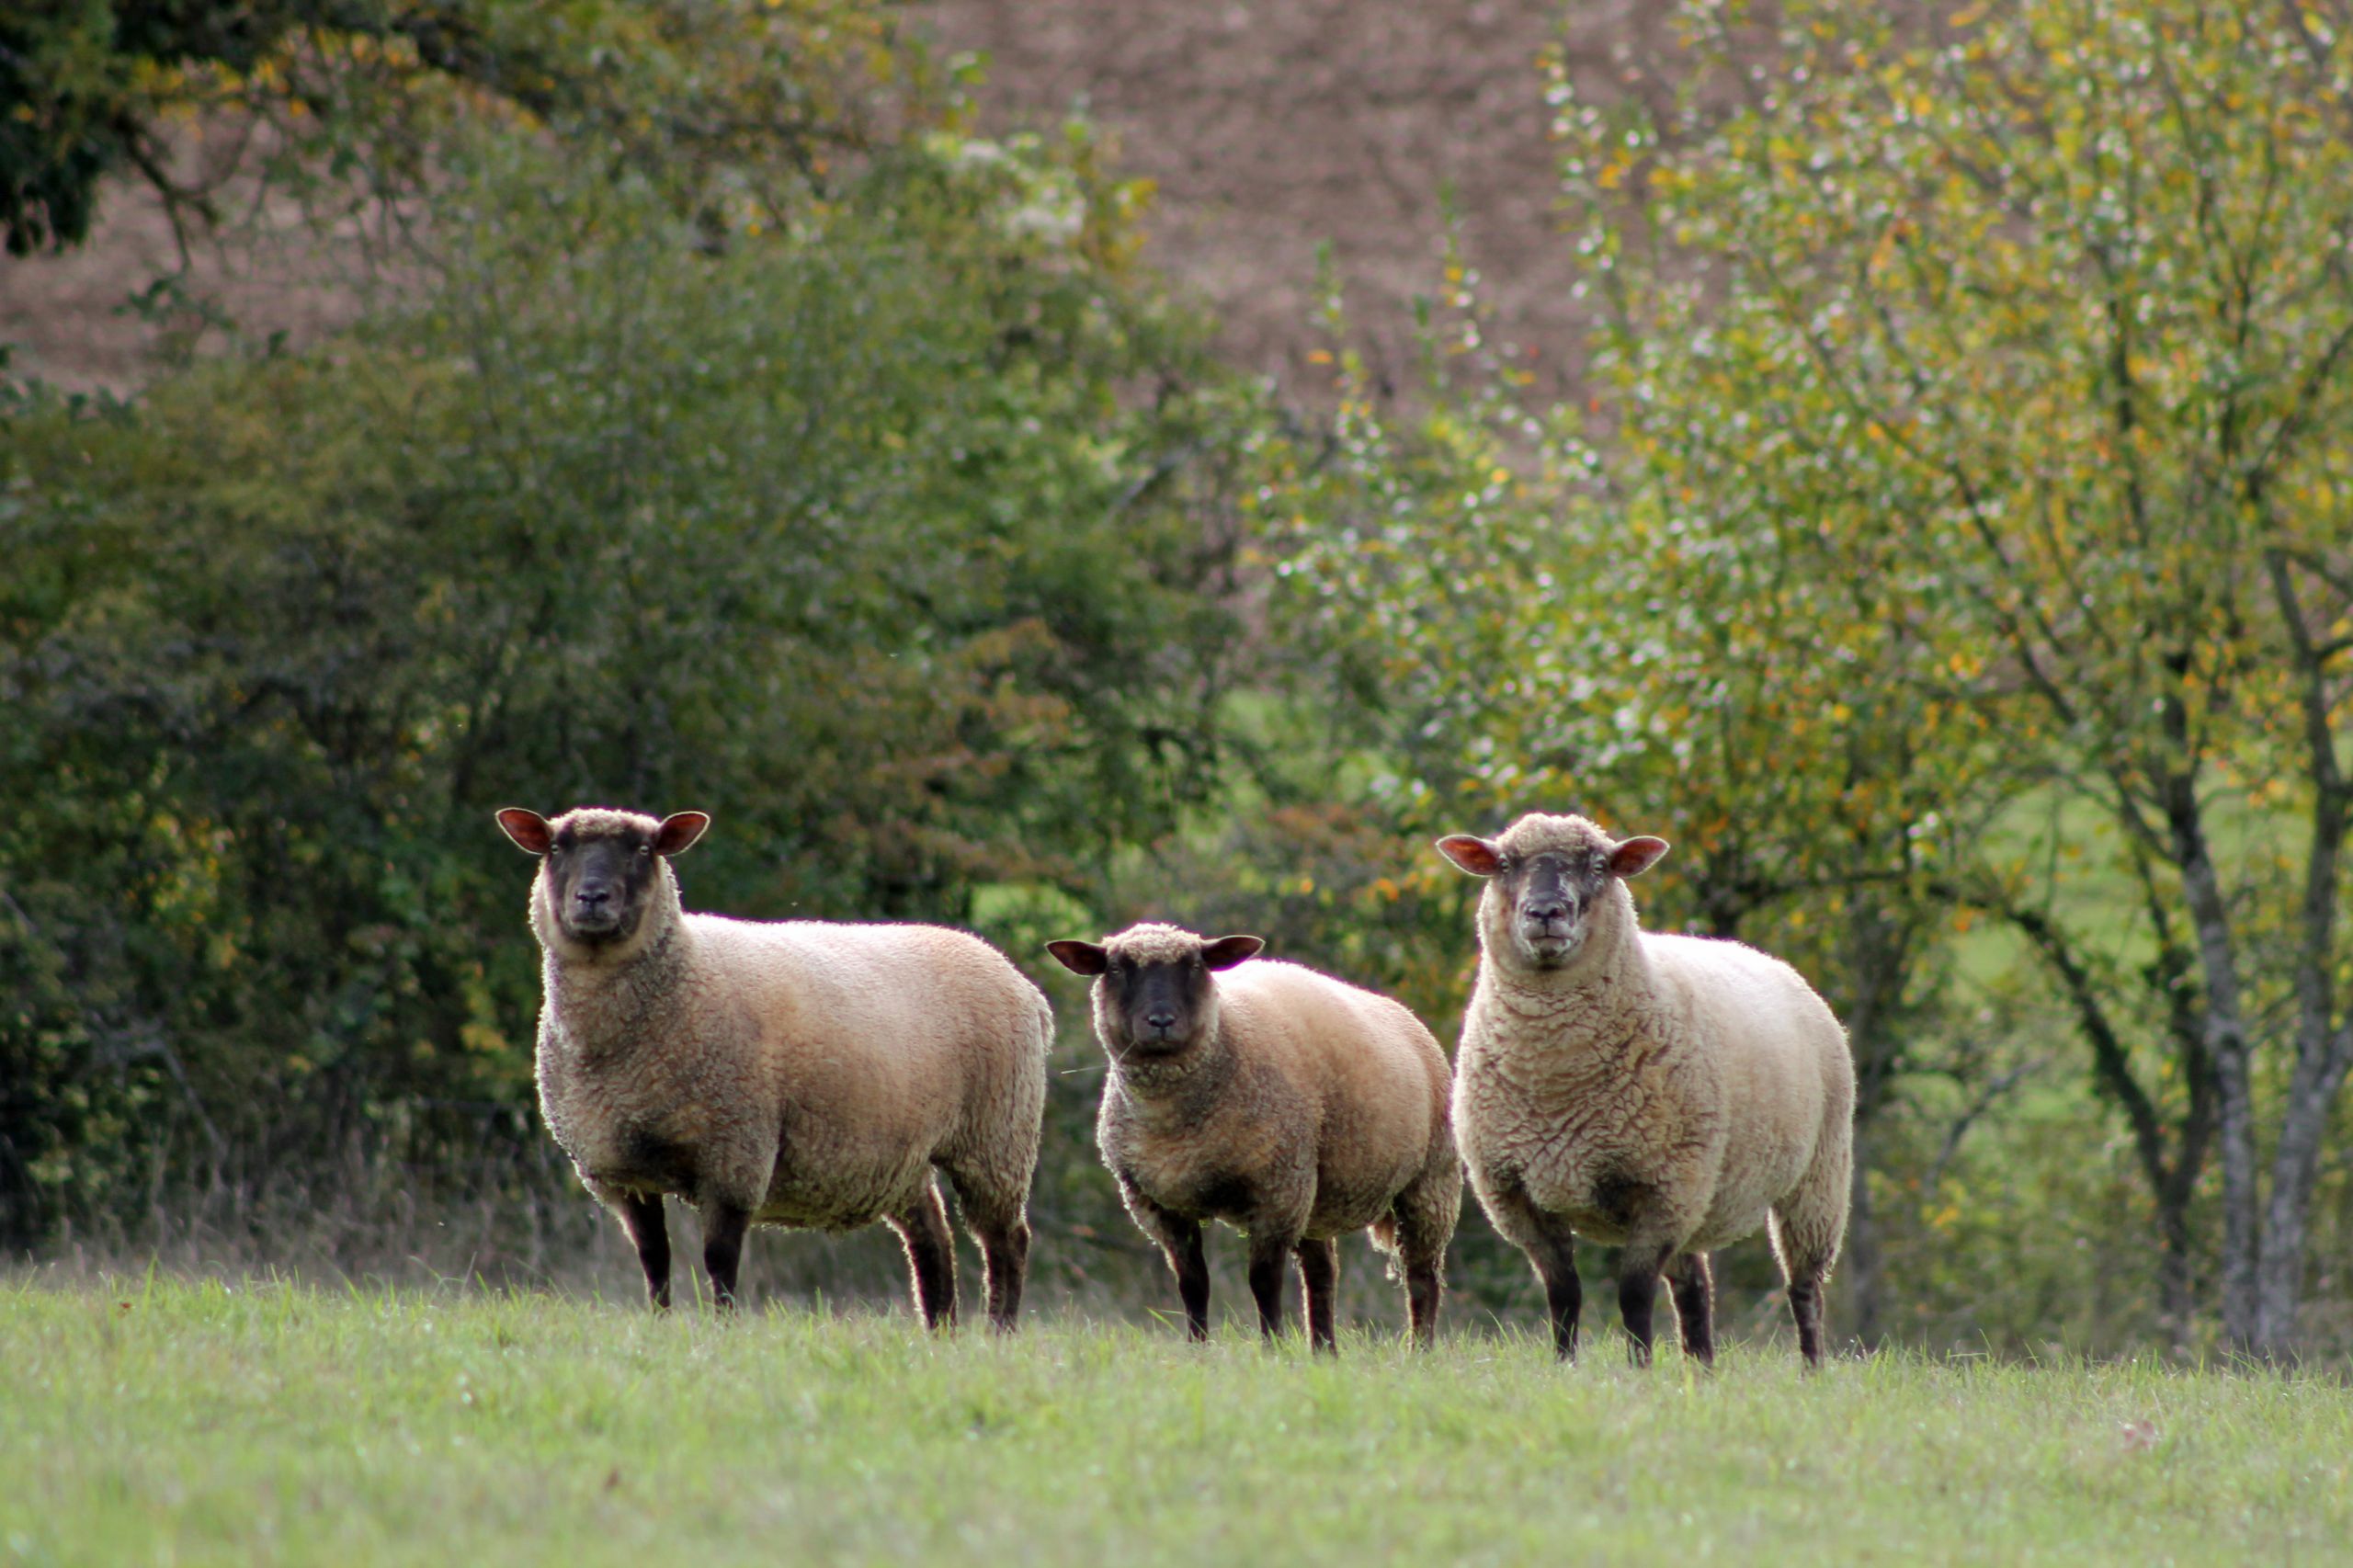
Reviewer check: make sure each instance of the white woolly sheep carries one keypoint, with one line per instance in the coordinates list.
(792, 1072)
(1664, 1095)
(1293, 1106)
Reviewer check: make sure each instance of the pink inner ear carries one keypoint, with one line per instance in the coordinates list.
(1472, 854)
(1227, 951)
(1079, 958)
(679, 831)
(1636, 855)
(527, 828)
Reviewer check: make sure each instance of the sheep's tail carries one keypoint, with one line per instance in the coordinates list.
(1045, 1029)
(1384, 1241)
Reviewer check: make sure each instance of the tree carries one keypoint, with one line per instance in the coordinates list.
(2065, 286)
(1955, 528)
(896, 537)
(1663, 631)
(355, 96)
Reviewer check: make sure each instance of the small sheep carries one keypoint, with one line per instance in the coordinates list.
(792, 1073)
(1277, 1099)
(1665, 1095)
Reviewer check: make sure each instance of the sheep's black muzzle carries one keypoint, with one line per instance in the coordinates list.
(1159, 1010)
(595, 912)
(600, 886)
(1551, 910)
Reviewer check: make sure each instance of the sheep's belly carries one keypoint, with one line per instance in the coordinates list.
(1332, 1219)
(1345, 1204)
(1721, 1231)
(1201, 1194)
(1603, 1199)
(648, 1163)
(837, 1198)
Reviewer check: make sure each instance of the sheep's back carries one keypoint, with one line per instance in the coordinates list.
(1781, 1060)
(883, 1045)
(1374, 1075)
(898, 997)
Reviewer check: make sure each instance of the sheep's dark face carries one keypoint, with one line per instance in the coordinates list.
(597, 882)
(599, 870)
(1153, 994)
(1548, 877)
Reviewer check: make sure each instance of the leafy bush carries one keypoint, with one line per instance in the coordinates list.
(893, 536)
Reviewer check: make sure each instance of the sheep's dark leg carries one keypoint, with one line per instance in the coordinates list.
(649, 1229)
(723, 1225)
(1268, 1255)
(1805, 1305)
(1637, 1293)
(1319, 1281)
(1422, 1292)
(1422, 1224)
(1180, 1243)
(931, 1257)
(1564, 1297)
(1191, 1266)
(1551, 1247)
(1695, 1290)
(1004, 1250)
(998, 1221)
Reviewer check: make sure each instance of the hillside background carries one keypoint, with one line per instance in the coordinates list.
(1041, 466)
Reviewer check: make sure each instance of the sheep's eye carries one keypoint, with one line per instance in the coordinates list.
(645, 850)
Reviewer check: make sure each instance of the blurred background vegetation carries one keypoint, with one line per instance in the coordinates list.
(1941, 538)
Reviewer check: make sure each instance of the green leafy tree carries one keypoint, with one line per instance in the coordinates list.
(1957, 527)
(2069, 287)
(855, 532)
(352, 101)
(1653, 633)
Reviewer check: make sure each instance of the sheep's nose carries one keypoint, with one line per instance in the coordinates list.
(1548, 911)
(594, 898)
(1161, 1018)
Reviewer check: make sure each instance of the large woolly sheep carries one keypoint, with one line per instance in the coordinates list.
(1663, 1094)
(1293, 1106)
(793, 1073)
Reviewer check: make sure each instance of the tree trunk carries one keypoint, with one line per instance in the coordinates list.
(2323, 1051)
(2171, 1182)
(2228, 1048)
(2176, 1281)
(2295, 1169)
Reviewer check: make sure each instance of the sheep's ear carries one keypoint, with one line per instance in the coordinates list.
(678, 832)
(527, 829)
(1636, 855)
(1476, 855)
(1080, 957)
(1227, 951)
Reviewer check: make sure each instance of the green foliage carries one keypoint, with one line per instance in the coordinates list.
(854, 531)
(206, 1423)
(1953, 532)
(741, 101)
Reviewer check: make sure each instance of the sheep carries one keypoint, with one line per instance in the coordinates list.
(1664, 1095)
(795, 1073)
(1280, 1100)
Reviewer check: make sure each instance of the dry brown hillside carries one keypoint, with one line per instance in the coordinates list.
(1268, 127)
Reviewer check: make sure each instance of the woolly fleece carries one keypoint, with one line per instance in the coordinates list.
(814, 1073)
(1306, 1108)
(1655, 1092)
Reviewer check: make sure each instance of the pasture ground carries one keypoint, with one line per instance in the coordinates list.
(154, 1421)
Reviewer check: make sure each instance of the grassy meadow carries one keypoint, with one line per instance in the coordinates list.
(154, 1421)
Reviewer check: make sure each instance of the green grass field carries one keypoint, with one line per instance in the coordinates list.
(155, 1422)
